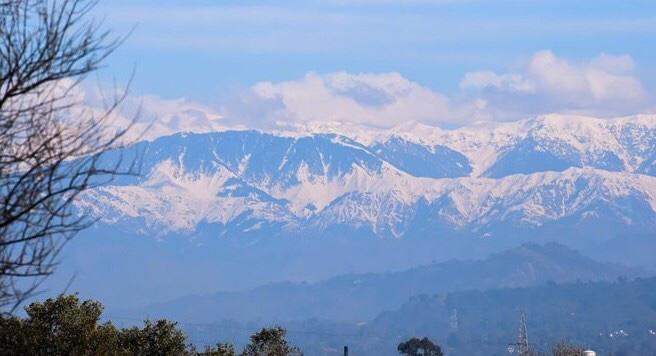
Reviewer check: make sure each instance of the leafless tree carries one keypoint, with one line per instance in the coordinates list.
(51, 149)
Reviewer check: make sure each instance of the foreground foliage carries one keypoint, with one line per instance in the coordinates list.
(52, 148)
(68, 326)
(566, 349)
(416, 347)
(270, 342)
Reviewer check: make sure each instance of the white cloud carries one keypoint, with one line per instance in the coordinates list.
(605, 85)
(613, 64)
(504, 82)
(604, 78)
(149, 116)
(159, 117)
(380, 100)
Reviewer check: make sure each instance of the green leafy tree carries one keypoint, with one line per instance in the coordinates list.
(61, 326)
(155, 338)
(416, 347)
(68, 326)
(270, 342)
(218, 350)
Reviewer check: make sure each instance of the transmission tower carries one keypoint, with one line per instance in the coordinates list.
(522, 338)
(522, 346)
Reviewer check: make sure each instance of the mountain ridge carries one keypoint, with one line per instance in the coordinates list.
(360, 297)
(310, 182)
(245, 208)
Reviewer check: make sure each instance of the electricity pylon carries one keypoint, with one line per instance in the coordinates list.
(522, 338)
(522, 346)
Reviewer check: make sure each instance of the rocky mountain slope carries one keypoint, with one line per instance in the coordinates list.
(548, 174)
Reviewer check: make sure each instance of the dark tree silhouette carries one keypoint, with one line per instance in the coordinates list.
(67, 326)
(270, 342)
(50, 147)
(567, 349)
(62, 326)
(416, 347)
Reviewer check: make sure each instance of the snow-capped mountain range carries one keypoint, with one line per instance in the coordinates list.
(549, 173)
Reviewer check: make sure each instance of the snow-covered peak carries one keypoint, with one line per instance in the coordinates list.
(631, 139)
(534, 173)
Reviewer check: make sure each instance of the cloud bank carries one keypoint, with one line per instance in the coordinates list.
(148, 116)
(378, 100)
(604, 86)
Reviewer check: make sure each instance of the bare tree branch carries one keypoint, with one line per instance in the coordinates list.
(47, 156)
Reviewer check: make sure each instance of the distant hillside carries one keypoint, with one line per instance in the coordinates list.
(613, 318)
(358, 297)
(608, 317)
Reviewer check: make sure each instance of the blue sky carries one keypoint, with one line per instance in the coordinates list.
(207, 51)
